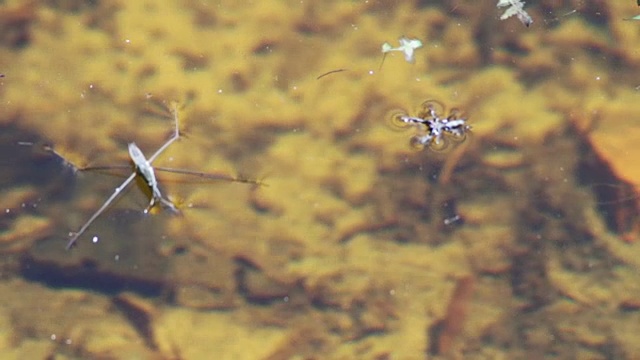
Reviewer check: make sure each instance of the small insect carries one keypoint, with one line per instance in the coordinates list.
(143, 168)
(515, 7)
(407, 47)
(434, 131)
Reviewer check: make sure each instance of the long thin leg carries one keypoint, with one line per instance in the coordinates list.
(200, 174)
(210, 176)
(156, 195)
(175, 136)
(104, 167)
(95, 215)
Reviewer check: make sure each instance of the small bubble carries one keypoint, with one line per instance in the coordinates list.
(95, 239)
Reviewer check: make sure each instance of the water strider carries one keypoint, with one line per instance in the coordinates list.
(144, 168)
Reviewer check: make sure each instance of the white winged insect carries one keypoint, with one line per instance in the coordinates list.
(515, 7)
(407, 47)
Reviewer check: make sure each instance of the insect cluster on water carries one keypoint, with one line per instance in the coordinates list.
(435, 131)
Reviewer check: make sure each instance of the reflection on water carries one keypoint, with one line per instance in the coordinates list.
(511, 243)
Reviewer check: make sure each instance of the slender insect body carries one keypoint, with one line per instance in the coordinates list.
(143, 166)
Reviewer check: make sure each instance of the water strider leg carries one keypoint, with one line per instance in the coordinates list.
(95, 215)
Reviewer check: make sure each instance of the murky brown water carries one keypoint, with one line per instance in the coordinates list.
(519, 242)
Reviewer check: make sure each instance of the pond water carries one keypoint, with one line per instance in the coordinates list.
(519, 240)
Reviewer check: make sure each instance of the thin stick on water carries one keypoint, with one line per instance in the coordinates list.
(330, 72)
(384, 55)
(143, 166)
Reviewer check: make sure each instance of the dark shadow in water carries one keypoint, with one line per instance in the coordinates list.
(617, 200)
(120, 260)
(24, 164)
(86, 275)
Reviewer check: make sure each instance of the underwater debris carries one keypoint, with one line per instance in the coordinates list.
(515, 7)
(444, 332)
(407, 47)
(434, 131)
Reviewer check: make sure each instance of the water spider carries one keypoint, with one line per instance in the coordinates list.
(435, 131)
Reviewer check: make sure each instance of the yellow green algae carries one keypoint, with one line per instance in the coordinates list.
(343, 253)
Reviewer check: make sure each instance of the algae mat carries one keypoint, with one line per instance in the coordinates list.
(357, 246)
